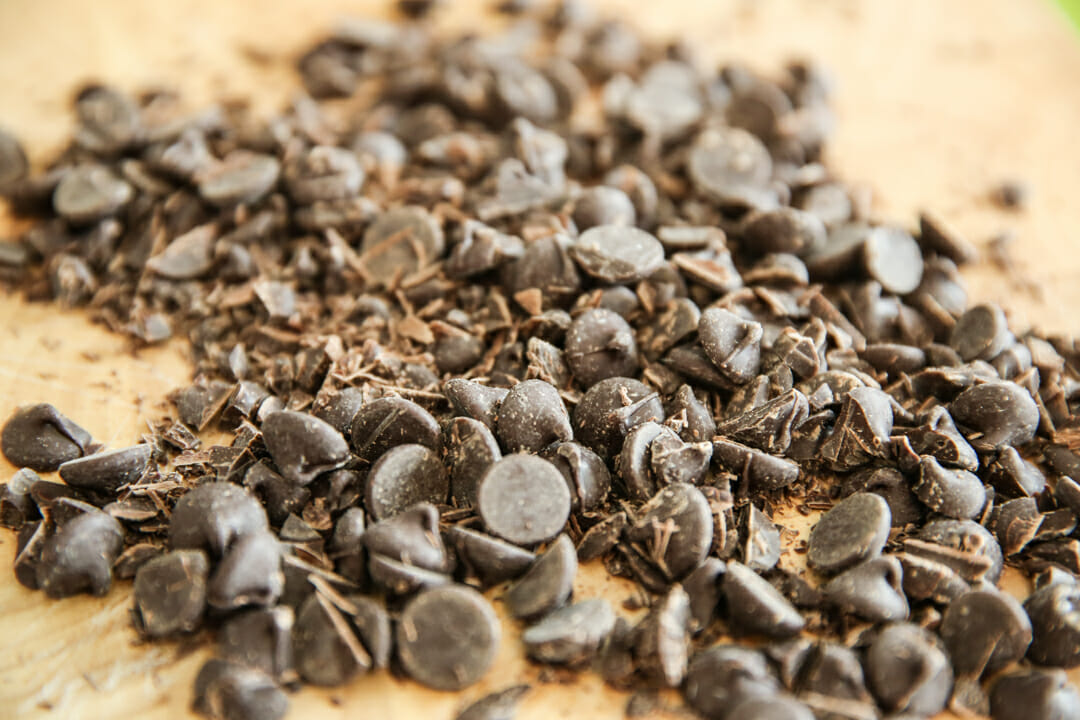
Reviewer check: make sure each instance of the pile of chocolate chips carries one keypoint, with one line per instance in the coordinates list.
(477, 309)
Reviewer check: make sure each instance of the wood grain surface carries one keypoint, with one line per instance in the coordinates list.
(937, 101)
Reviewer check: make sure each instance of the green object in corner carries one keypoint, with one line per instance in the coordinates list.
(1072, 9)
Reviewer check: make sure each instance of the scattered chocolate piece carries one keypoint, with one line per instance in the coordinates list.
(380, 308)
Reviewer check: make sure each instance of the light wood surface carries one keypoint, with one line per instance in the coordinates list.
(937, 101)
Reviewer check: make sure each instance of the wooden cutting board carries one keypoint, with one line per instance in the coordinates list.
(936, 102)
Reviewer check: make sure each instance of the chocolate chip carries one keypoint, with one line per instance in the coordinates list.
(473, 400)
(891, 485)
(523, 499)
(756, 607)
(470, 449)
(323, 173)
(957, 494)
(78, 556)
(325, 646)
(732, 167)
(391, 421)
(676, 529)
(853, 530)
(279, 496)
(400, 241)
(482, 248)
(170, 593)
(982, 332)
(109, 471)
(725, 677)
(241, 177)
(447, 637)
(40, 438)
(571, 635)
(908, 670)
(403, 476)
(586, 474)
(633, 463)
(1003, 413)
(88, 193)
(936, 236)
(602, 205)
(609, 409)
(1055, 625)
(697, 423)
(760, 470)
(531, 417)
(782, 230)
(769, 426)
(213, 516)
(486, 558)
(662, 639)
(228, 691)
(262, 639)
(871, 590)
(303, 446)
(602, 537)
(13, 163)
(674, 461)
(249, 573)
(617, 253)
(771, 708)
(547, 585)
(600, 345)
(892, 257)
(1029, 692)
(501, 705)
(862, 429)
(984, 631)
(732, 343)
